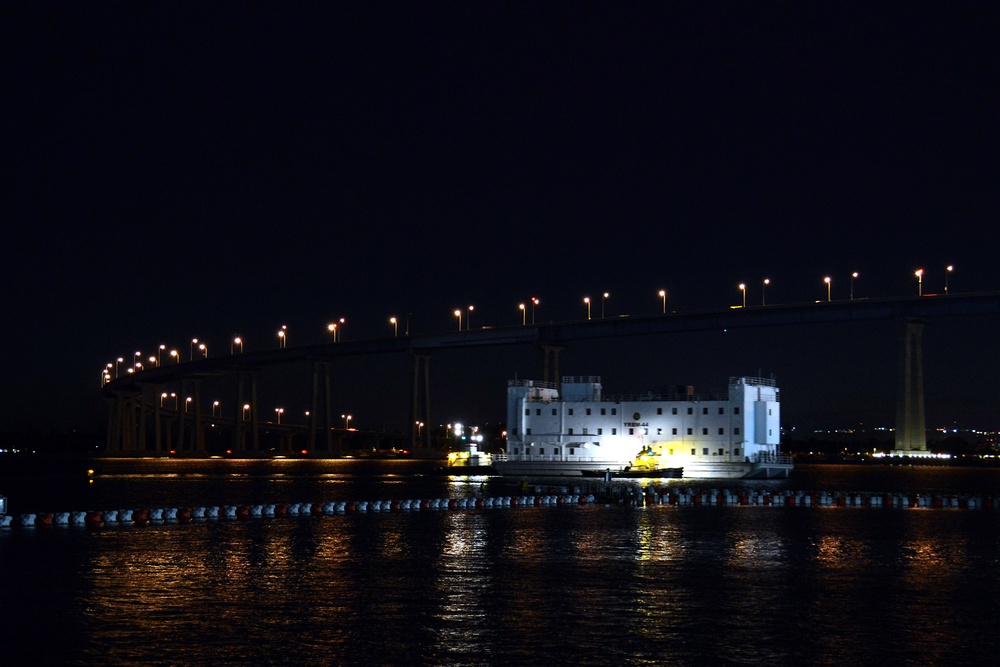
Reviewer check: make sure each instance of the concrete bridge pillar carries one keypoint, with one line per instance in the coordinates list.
(911, 434)
(327, 411)
(420, 410)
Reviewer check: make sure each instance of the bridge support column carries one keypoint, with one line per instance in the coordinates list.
(420, 410)
(328, 407)
(911, 434)
(550, 365)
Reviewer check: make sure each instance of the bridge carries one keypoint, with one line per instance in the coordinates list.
(136, 405)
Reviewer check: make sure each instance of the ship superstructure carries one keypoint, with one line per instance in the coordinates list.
(570, 429)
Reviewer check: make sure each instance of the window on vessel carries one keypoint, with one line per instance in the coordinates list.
(516, 450)
(692, 451)
(614, 431)
(588, 411)
(614, 411)
(555, 451)
(673, 431)
(553, 411)
(704, 451)
(659, 431)
(538, 412)
(736, 451)
(736, 410)
(659, 411)
(722, 411)
(541, 450)
(527, 431)
(572, 451)
(690, 411)
(673, 411)
(585, 430)
(527, 412)
(600, 431)
(570, 410)
(570, 432)
(645, 431)
(704, 411)
(722, 431)
(690, 431)
(704, 430)
(603, 411)
(631, 431)
(720, 451)
(736, 431)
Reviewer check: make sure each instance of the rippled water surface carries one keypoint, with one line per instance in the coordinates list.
(555, 585)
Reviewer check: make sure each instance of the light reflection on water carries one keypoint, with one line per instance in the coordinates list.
(548, 585)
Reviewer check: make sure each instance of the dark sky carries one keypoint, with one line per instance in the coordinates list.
(178, 170)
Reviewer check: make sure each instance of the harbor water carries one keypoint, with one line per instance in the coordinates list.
(572, 584)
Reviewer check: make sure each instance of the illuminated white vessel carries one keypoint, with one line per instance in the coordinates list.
(571, 430)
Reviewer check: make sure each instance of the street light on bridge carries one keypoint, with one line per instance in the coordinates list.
(586, 300)
(534, 302)
(395, 326)
(204, 350)
(158, 352)
(468, 321)
(458, 314)
(279, 411)
(282, 335)
(232, 346)
(118, 361)
(919, 273)
(763, 291)
(175, 353)
(743, 289)
(827, 280)
(215, 406)
(663, 296)
(246, 411)
(194, 341)
(524, 314)
(603, 300)
(947, 272)
(347, 421)
(853, 276)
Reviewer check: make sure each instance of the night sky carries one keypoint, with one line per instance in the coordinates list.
(179, 170)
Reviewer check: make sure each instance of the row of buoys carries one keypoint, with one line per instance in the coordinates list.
(650, 496)
(744, 497)
(190, 514)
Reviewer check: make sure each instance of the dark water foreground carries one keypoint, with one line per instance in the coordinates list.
(569, 585)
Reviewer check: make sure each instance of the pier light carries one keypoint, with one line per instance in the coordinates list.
(827, 280)
(743, 290)
(176, 355)
(524, 314)
(586, 300)
(394, 323)
(194, 341)
(853, 276)
(947, 272)
(534, 302)
(458, 314)
(763, 290)
(603, 300)
(919, 273)
(663, 296)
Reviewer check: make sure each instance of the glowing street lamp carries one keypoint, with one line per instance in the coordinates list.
(919, 273)
(420, 426)
(468, 320)
(743, 289)
(340, 329)
(176, 355)
(763, 290)
(458, 314)
(586, 300)
(215, 406)
(947, 272)
(232, 346)
(158, 351)
(279, 411)
(663, 297)
(534, 302)
(135, 362)
(246, 411)
(187, 402)
(395, 330)
(163, 397)
(118, 361)
(853, 276)
(154, 361)
(524, 314)
(827, 280)
(194, 341)
(282, 336)
(347, 421)
(204, 350)
(603, 300)
(332, 328)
